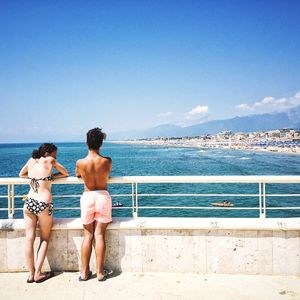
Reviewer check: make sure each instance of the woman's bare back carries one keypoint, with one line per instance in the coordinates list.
(40, 169)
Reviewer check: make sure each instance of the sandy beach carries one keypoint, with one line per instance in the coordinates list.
(225, 144)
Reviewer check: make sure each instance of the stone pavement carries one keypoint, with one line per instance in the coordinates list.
(152, 286)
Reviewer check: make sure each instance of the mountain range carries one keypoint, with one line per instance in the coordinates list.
(248, 123)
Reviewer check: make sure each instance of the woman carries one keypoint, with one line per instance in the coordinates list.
(38, 205)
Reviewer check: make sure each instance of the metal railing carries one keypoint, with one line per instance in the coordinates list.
(136, 196)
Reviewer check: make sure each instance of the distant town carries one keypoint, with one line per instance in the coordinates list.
(281, 140)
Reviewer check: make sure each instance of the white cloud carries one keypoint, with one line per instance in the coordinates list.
(196, 115)
(165, 114)
(198, 110)
(244, 107)
(296, 99)
(270, 104)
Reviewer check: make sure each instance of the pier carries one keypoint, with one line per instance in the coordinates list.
(173, 257)
(263, 245)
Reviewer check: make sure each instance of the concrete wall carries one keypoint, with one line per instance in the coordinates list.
(243, 246)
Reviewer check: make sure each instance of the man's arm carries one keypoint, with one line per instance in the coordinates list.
(108, 163)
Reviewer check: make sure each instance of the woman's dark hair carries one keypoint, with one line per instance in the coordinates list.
(94, 138)
(43, 149)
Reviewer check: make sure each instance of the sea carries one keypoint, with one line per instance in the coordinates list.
(144, 160)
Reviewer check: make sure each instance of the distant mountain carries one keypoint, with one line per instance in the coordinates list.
(250, 123)
(164, 130)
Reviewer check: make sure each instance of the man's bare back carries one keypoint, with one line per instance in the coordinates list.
(94, 169)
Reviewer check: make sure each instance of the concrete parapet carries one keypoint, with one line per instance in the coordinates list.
(228, 246)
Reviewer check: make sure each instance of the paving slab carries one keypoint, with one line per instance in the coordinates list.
(152, 286)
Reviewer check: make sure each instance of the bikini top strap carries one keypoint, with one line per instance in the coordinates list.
(34, 182)
(48, 178)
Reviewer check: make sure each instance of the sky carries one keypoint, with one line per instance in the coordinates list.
(68, 66)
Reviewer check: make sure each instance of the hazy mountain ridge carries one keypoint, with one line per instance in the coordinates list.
(249, 123)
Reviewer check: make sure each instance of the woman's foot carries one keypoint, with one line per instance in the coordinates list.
(43, 276)
(30, 279)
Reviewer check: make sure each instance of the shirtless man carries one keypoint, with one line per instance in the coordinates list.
(95, 203)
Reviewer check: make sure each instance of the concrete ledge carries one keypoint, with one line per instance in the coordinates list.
(170, 223)
(224, 246)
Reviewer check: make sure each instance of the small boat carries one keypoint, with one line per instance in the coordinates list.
(222, 204)
(117, 204)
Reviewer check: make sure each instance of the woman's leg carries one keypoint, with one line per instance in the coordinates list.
(45, 225)
(99, 234)
(30, 228)
(86, 249)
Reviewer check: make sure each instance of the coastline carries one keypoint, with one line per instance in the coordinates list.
(198, 143)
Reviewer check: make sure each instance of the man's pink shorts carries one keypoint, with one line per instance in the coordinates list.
(95, 206)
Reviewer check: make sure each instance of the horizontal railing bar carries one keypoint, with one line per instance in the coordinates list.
(282, 208)
(16, 208)
(78, 208)
(174, 195)
(199, 207)
(282, 195)
(156, 195)
(66, 196)
(200, 195)
(69, 196)
(68, 208)
(175, 207)
(172, 179)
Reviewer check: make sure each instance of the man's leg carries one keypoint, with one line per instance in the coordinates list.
(99, 233)
(86, 249)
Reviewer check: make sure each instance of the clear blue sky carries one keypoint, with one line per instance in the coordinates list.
(67, 66)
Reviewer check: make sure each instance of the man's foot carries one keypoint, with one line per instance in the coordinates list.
(43, 276)
(103, 277)
(85, 278)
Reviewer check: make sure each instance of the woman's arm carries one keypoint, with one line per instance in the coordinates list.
(61, 169)
(77, 170)
(24, 171)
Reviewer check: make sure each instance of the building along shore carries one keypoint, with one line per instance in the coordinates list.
(281, 140)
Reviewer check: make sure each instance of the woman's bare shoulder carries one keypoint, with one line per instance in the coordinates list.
(49, 160)
(31, 161)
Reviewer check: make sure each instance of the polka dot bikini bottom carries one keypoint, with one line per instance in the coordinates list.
(36, 207)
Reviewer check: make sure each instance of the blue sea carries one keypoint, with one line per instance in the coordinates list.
(134, 160)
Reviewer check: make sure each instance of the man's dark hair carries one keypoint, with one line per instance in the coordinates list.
(94, 138)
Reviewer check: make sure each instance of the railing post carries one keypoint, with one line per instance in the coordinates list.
(262, 200)
(8, 201)
(134, 196)
(10, 205)
(136, 201)
(12, 199)
(133, 200)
